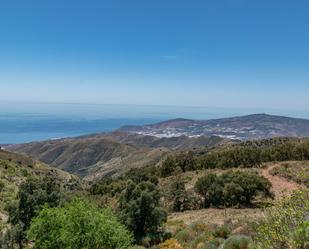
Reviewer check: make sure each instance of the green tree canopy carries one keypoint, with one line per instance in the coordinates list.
(231, 188)
(140, 209)
(32, 194)
(78, 225)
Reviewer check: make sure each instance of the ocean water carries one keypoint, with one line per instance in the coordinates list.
(24, 122)
(21, 123)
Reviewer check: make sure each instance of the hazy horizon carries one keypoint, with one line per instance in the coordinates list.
(27, 122)
(72, 67)
(230, 53)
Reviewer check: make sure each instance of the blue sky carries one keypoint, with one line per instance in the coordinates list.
(220, 53)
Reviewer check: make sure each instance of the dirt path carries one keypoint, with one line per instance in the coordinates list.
(280, 186)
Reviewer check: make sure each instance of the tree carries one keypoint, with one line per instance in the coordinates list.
(168, 167)
(32, 195)
(179, 194)
(204, 187)
(78, 224)
(140, 209)
(231, 188)
(185, 161)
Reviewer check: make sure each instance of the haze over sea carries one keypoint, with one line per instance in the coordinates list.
(26, 122)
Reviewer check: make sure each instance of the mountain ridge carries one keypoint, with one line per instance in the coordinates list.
(248, 127)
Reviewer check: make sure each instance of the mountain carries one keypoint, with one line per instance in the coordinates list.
(84, 156)
(174, 143)
(256, 126)
(97, 155)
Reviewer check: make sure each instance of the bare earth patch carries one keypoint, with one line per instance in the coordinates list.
(280, 186)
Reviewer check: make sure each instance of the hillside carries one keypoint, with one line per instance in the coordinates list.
(14, 169)
(85, 156)
(256, 126)
(175, 143)
(107, 154)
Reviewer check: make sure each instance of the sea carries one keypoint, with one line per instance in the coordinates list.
(28, 122)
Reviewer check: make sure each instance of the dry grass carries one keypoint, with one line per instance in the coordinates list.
(293, 171)
(214, 216)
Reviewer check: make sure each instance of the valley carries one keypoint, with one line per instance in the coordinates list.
(197, 190)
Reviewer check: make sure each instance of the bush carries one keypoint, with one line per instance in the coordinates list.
(237, 242)
(107, 186)
(78, 224)
(2, 186)
(287, 224)
(170, 244)
(200, 241)
(222, 232)
(231, 188)
(184, 236)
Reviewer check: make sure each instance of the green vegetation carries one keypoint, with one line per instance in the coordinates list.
(237, 242)
(231, 188)
(140, 210)
(200, 235)
(293, 171)
(244, 155)
(178, 195)
(286, 225)
(43, 210)
(76, 225)
(32, 195)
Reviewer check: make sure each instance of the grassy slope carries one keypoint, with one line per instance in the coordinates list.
(14, 169)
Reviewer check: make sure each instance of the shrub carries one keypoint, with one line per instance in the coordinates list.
(222, 232)
(237, 242)
(214, 244)
(198, 228)
(146, 241)
(170, 244)
(200, 241)
(231, 188)
(286, 225)
(184, 236)
(78, 224)
(2, 186)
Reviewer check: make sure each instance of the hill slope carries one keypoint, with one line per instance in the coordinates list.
(108, 154)
(256, 126)
(85, 156)
(14, 169)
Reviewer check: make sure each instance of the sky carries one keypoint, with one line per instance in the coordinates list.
(220, 53)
